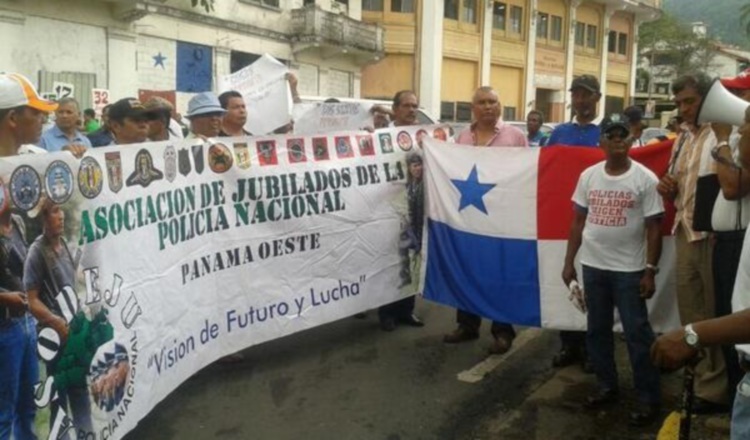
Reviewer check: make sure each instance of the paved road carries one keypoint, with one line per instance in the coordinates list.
(349, 380)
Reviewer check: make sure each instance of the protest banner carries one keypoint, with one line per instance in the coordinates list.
(99, 99)
(63, 89)
(266, 92)
(338, 116)
(183, 252)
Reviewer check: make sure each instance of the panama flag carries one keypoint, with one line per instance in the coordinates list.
(497, 227)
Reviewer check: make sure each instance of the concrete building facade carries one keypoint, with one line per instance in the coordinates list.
(528, 50)
(168, 47)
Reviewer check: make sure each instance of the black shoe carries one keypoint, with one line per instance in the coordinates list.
(361, 315)
(601, 398)
(388, 324)
(411, 321)
(566, 356)
(461, 334)
(703, 406)
(644, 416)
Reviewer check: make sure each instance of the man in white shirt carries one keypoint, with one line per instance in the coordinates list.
(616, 205)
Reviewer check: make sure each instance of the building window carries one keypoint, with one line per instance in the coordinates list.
(463, 111)
(447, 111)
(309, 2)
(274, 3)
(556, 29)
(591, 36)
(580, 33)
(612, 45)
(451, 9)
(516, 19)
(373, 5)
(498, 15)
(509, 113)
(470, 11)
(542, 23)
(622, 44)
(405, 6)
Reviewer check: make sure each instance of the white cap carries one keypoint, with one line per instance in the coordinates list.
(17, 91)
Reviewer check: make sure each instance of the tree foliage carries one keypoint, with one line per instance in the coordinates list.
(208, 5)
(672, 49)
(721, 16)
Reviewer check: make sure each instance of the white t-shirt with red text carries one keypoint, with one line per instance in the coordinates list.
(614, 236)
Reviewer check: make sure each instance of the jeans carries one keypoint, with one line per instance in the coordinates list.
(19, 372)
(741, 410)
(605, 290)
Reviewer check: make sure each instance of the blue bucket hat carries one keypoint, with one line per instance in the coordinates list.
(204, 103)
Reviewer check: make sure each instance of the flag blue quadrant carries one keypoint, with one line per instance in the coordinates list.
(494, 277)
(194, 67)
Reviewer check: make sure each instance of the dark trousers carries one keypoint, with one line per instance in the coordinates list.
(726, 260)
(472, 322)
(400, 309)
(605, 291)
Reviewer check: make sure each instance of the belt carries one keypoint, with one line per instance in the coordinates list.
(6, 313)
(730, 235)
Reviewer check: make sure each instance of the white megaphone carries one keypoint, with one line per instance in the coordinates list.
(720, 105)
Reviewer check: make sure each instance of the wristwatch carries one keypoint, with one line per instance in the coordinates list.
(719, 146)
(691, 338)
(652, 267)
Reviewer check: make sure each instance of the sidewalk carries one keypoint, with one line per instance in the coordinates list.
(555, 411)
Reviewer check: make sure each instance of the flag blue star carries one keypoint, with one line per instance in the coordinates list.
(159, 60)
(472, 191)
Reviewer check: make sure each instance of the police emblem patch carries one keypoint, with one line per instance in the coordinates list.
(183, 161)
(170, 163)
(25, 187)
(365, 145)
(320, 148)
(386, 143)
(296, 150)
(197, 158)
(267, 153)
(144, 173)
(404, 141)
(90, 177)
(58, 182)
(242, 155)
(114, 171)
(219, 158)
(343, 147)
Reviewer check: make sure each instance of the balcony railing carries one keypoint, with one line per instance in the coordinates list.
(313, 25)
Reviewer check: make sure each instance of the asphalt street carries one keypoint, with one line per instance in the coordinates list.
(349, 380)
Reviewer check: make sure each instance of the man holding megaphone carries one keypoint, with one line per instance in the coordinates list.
(691, 161)
(731, 211)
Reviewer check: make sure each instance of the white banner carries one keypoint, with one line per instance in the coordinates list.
(264, 87)
(327, 117)
(173, 255)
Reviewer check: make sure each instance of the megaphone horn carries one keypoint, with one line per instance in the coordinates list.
(720, 105)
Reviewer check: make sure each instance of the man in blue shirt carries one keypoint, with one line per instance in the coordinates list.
(65, 135)
(581, 131)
